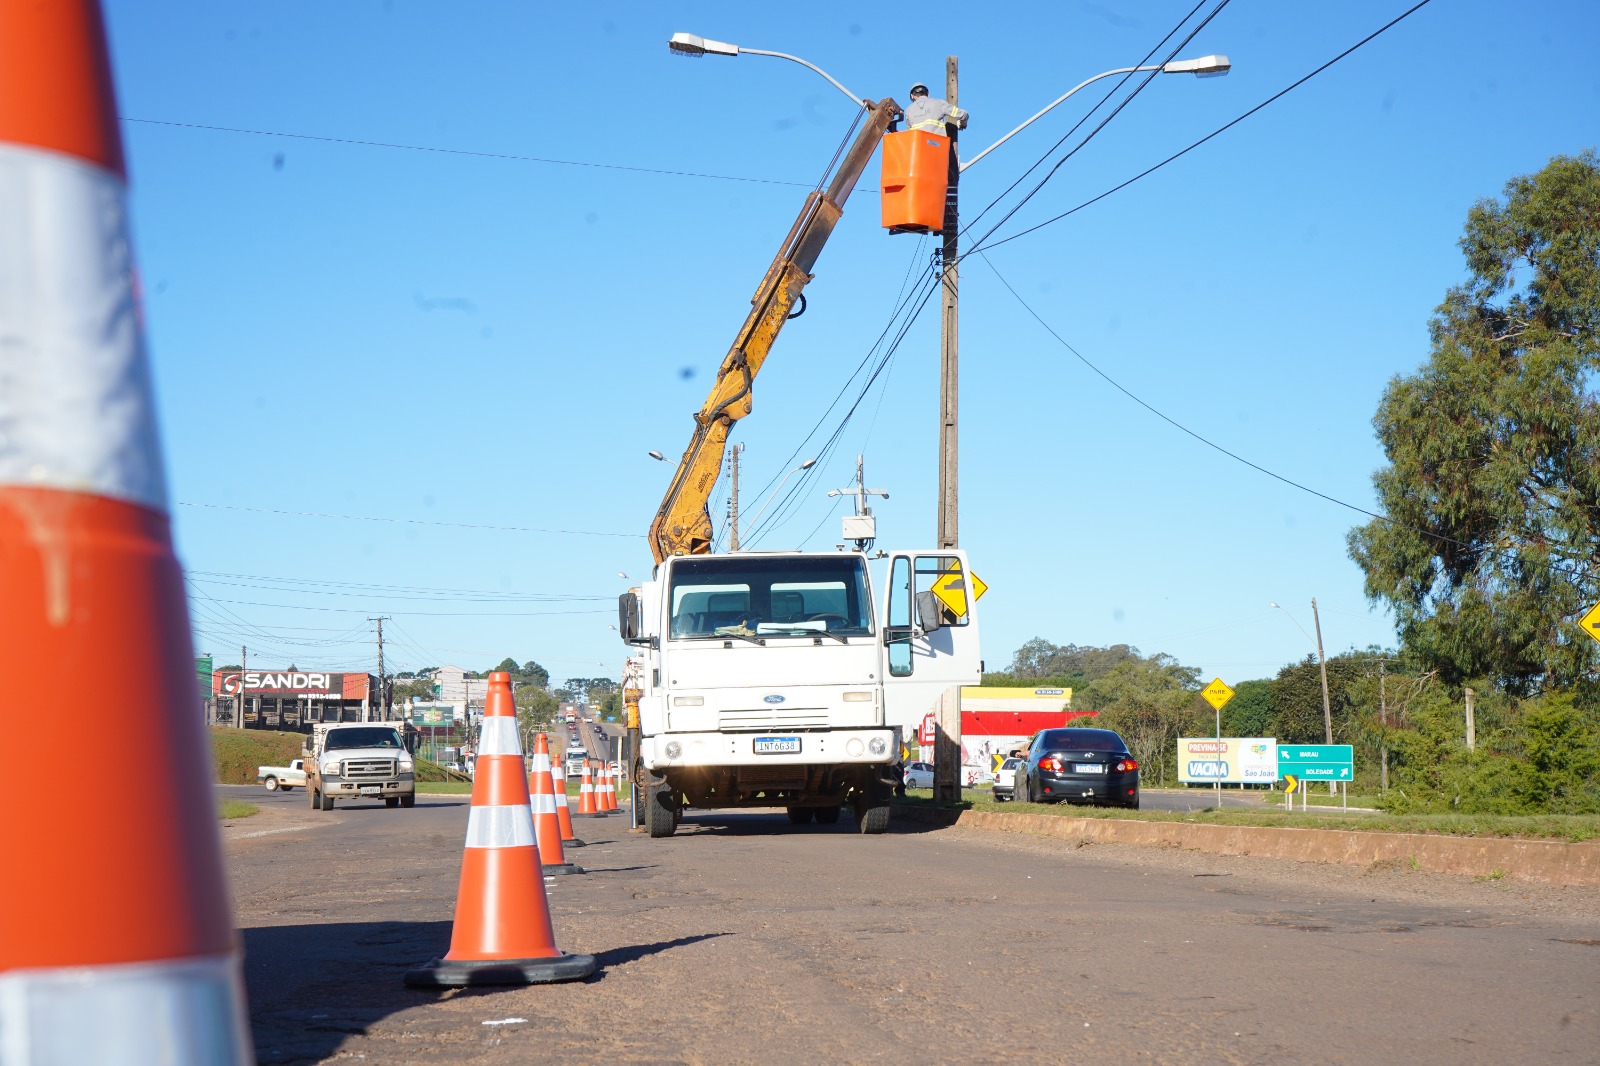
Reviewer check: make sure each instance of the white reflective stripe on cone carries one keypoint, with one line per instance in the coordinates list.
(500, 827)
(541, 762)
(543, 804)
(499, 737)
(75, 393)
(187, 1012)
(561, 798)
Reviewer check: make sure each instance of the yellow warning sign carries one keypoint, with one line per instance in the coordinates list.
(996, 760)
(952, 590)
(1591, 622)
(1217, 694)
(1290, 783)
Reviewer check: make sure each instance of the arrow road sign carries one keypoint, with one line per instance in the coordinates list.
(1324, 762)
(1591, 622)
(1290, 782)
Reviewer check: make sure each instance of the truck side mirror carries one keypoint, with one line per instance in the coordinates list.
(930, 612)
(628, 617)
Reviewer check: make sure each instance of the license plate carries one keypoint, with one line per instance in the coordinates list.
(371, 790)
(777, 745)
(1088, 768)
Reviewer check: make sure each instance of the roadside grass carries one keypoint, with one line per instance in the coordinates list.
(1572, 828)
(230, 809)
(237, 752)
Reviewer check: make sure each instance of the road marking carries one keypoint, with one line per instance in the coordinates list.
(267, 832)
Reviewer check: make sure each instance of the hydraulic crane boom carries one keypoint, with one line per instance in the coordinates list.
(682, 525)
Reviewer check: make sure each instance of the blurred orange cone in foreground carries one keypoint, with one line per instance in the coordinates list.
(502, 933)
(116, 935)
(546, 824)
(558, 784)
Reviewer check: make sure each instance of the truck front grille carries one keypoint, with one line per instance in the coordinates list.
(759, 777)
(368, 769)
(765, 718)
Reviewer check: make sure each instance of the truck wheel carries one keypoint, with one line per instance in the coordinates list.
(271, 783)
(801, 815)
(828, 815)
(661, 811)
(391, 801)
(324, 801)
(872, 820)
(408, 800)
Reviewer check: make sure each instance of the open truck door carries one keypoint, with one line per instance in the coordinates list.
(930, 634)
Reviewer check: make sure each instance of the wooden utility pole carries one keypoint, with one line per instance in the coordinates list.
(1383, 719)
(238, 704)
(1472, 721)
(949, 337)
(947, 746)
(1322, 664)
(383, 702)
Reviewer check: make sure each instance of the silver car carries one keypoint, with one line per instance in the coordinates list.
(1005, 779)
(919, 775)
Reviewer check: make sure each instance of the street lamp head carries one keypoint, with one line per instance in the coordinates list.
(1204, 67)
(687, 44)
(657, 456)
(1273, 603)
(808, 464)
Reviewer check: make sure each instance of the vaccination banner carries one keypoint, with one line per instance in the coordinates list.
(1231, 760)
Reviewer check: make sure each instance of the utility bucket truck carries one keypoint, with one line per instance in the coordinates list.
(771, 679)
(775, 679)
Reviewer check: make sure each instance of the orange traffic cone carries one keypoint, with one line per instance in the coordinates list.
(119, 941)
(502, 933)
(546, 824)
(608, 789)
(586, 804)
(558, 784)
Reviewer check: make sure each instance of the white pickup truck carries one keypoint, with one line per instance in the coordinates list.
(284, 777)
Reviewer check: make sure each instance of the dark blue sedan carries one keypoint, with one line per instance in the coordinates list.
(1078, 766)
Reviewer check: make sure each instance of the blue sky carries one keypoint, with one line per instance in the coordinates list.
(470, 349)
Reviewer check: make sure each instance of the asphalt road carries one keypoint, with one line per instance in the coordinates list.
(743, 939)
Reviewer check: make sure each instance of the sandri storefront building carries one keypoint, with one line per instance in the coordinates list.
(294, 699)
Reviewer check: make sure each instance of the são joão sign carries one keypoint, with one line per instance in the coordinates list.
(1231, 760)
(282, 683)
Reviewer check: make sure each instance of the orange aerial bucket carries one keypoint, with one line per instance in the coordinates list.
(916, 172)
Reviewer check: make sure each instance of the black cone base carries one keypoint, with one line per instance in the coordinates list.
(447, 973)
(573, 843)
(563, 868)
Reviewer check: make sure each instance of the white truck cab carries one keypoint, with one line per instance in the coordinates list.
(774, 679)
(358, 760)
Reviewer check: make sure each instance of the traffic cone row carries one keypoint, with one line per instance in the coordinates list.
(502, 933)
(608, 789)
(546, 823)
(119, 942)
(558, 782)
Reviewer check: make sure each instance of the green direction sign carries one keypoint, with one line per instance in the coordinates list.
(1317, 762)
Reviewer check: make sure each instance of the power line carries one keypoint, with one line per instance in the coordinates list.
(981, 247)
(413, 614)
(409, 521)
(460, 151)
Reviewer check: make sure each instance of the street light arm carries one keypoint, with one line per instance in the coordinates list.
(1051, 106)
(748, 526)
(688, 44)
(1205, 67)
(859, 101)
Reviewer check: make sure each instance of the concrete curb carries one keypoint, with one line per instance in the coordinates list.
(1549, 861)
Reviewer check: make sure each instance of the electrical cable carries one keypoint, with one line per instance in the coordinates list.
(409, 521)
(981, 246)
(459, 151)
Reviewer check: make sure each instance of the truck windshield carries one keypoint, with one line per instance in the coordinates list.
(780, 596)
(372, 737)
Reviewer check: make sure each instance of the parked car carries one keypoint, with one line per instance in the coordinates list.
(284, 777)
(918, 775)
(1004, 778)
(1078, 766)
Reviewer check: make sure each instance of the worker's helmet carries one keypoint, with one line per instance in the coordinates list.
(919, 89)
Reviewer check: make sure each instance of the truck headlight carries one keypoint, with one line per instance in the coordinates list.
(673, 749)
(331, 767)
(688, 701)
(858, 697)
(877, 745)
(405, 764)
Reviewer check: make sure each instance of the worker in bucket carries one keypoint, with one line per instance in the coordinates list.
(932, 115)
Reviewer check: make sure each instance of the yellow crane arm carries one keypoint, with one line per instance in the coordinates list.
(682, 524)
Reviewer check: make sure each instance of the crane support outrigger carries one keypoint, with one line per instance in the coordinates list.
(682, 524)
